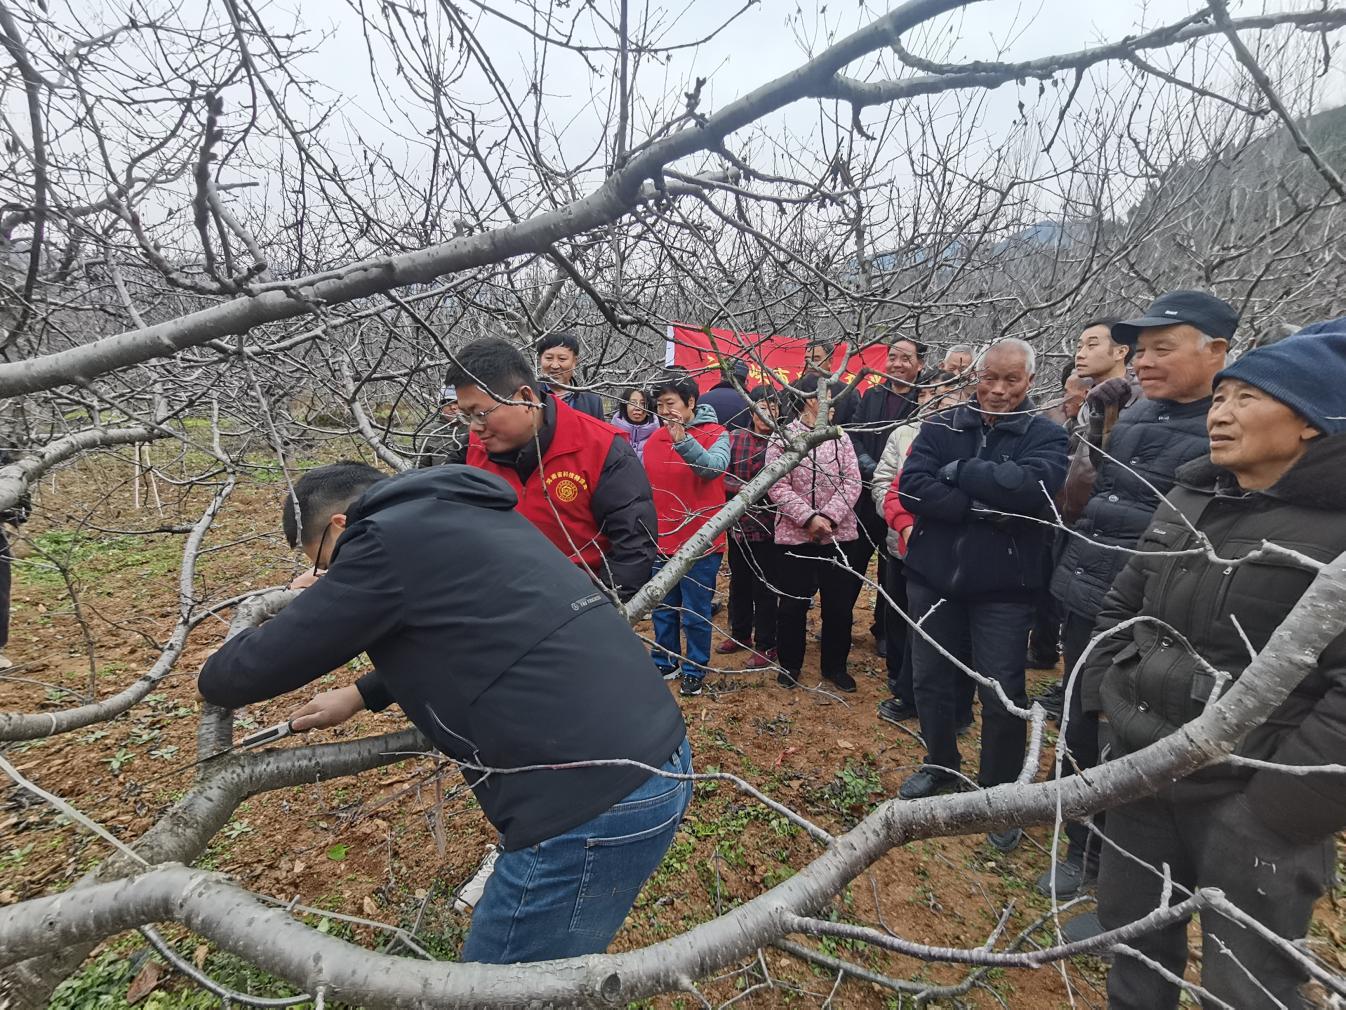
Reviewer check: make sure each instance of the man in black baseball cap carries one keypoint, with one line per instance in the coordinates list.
(1212, 316)
(1180, 345)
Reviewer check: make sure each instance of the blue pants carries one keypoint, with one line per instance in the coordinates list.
(569, 895)
(687, 604)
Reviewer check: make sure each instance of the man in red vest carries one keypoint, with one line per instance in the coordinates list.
(685, 461)
(578, 479)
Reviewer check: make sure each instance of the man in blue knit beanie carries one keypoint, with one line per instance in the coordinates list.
(1306, 372)
(1183, 608)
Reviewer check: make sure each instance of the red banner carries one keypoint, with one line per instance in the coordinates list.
(701, 350)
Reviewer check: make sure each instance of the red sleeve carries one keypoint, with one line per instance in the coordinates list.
(894, 512)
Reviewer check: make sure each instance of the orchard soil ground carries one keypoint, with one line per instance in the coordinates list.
(392, 845)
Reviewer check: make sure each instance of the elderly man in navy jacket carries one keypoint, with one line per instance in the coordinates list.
(979, 479)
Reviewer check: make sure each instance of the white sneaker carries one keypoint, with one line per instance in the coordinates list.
(470, 893)
(5, 662)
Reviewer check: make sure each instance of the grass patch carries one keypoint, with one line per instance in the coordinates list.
(87, 556)
(851, 794)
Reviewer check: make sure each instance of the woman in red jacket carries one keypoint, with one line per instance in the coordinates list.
(685, 461)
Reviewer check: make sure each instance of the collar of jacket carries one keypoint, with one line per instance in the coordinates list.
(798, 427)
(622, 424)
(1313, 482)
(907, 396)
(704, 414)
(1145, 409)
(890, 386)
(967, 416)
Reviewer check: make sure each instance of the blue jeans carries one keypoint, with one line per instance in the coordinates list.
(569, 895)
(992, 638)
(687, 603)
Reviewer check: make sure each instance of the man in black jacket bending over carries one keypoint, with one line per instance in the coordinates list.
(505, 656)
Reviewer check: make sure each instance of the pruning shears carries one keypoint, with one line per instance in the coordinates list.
(263, 736)
(253, 740)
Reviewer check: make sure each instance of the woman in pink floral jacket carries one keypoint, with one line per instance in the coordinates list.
(814, 517)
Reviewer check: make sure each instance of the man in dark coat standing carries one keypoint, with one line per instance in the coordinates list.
(879, 411)
(1180, 343)
(558, 359)
(1263, 836)
(979, 480)
(505, 656)
(731, 406)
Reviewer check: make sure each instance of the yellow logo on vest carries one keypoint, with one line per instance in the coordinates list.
(564, 485)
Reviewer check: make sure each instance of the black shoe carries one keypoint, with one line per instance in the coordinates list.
(925, 783)
(691, 686)
(881, 647)
(715, 607)
(787, 679)
(1082, 927)
(1035, 662)
(964, 728)
(1053, 700)
(1007, 840)
(896, 711)
(843, 680)
(1071, 879)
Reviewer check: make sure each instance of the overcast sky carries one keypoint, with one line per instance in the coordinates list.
(764, 42)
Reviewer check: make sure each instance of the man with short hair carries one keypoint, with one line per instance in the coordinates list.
(446, 440)
(1183, 608)
(1073, 389)
(505, 657)
(685, 461)
(979, 478)
(558, 356)
(1180, 344)
(958, 359)
(881, 409)
(1100, 362)
(577, 479)
(1098, 356)
(728, 397)
(818, 358)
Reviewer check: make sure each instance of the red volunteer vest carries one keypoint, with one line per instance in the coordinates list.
(558, 498)
(682, 500)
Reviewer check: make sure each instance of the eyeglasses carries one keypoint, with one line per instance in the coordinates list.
(478, 418)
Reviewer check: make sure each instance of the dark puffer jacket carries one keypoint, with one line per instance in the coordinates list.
(967, 542)
(496, 646)
(1151, 439)
(1148, 685)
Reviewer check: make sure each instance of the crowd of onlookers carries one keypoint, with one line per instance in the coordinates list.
(1096, 519)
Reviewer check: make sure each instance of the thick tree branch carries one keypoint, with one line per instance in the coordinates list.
(269, 938)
